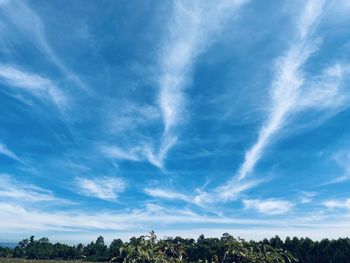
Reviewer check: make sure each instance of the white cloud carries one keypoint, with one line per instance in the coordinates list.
(7, 152)
(157, 159)
(284, 94)
(30, 24)
(137, 153)
(11, 189)
(285, 88)
(268, 206)
(313, 9)
(167, 194)
(106, 188)
(132, 116)
(337, 204)
(18, 217)
(342, 158)
(74, 223)
(131, 154)
(306, 197)
(34, 84)
(342, 7)
(234, 188)
(202, 198)
(326, 91)
(191, 29)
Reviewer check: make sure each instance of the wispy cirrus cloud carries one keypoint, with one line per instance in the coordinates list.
(130, 119)
(34, 84)
(306, 197)
(191, 29)
(286, 89)
(125, 121)
(327, 90)
(234, 188)
(167, 194)
(342, 159)
(31, 26)
(144, 152)
(337, 204)
(132, 116)
(106, 188)
(268, 206)
(4, 150)
(16, 218)
(14, 190)
(114, 152)
(286, 86)
(200, 197)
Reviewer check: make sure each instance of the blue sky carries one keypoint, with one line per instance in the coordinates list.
(184, 117)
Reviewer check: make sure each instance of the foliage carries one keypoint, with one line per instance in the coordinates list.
(149, 249)
(23, 260)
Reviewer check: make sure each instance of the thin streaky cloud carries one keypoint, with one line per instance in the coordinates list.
(167, 194)
(114, 152)
(152, 148)
(34, 84)
(17, 217)
(131, 117)
(342, 159)
(13, 190)
(30, 24)
(190, 31)
(285, 89)
(327, 90)
(4, 150)
(202, 198)
(286, 86)
(306, 197)
(144, 152)
(268, 206)
(106, 188)
(337, 204)
(234, 189)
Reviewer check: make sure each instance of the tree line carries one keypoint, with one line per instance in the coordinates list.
(149, 249)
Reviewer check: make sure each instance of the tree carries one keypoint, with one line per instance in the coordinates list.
(114, 250)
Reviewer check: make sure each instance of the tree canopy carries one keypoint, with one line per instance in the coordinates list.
(150, 249)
